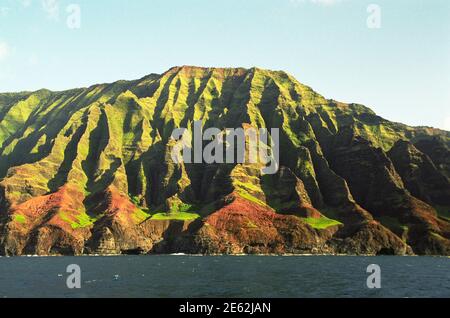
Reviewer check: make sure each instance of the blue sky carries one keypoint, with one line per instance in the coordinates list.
(401, 70)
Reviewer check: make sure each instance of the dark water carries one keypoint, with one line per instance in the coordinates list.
(225, 276)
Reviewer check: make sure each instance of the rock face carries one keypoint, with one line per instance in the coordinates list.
(89, 171)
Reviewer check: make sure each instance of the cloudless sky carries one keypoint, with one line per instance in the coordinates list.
(401, 70)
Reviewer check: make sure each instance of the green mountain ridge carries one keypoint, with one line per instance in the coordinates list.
(89, 170)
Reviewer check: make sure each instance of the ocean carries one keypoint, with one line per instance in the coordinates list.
(224, 276)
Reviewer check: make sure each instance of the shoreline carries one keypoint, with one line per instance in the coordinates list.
(223, 255)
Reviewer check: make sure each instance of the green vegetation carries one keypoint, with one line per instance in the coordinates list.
(321, 223)
(245, 195)
(20, 218)
(178, 211)
(184, 216)
(140, 216)
(247, 186)
(80, 220)
(185, 207)
(251, 225)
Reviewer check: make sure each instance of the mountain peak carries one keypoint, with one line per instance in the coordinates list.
(193, 71)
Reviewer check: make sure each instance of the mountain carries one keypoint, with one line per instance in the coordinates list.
(89, 171)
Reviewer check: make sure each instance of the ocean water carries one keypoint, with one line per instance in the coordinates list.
(225, 276)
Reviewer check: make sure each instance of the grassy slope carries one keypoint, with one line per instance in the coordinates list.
(321, 223)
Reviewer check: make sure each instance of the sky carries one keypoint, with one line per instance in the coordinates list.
(390, 55)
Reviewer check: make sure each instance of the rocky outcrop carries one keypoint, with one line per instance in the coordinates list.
(419, 174)
(438, 149)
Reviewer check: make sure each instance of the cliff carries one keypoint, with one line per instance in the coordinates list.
(89, 171)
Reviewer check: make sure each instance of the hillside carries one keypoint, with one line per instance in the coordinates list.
(89, 171)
